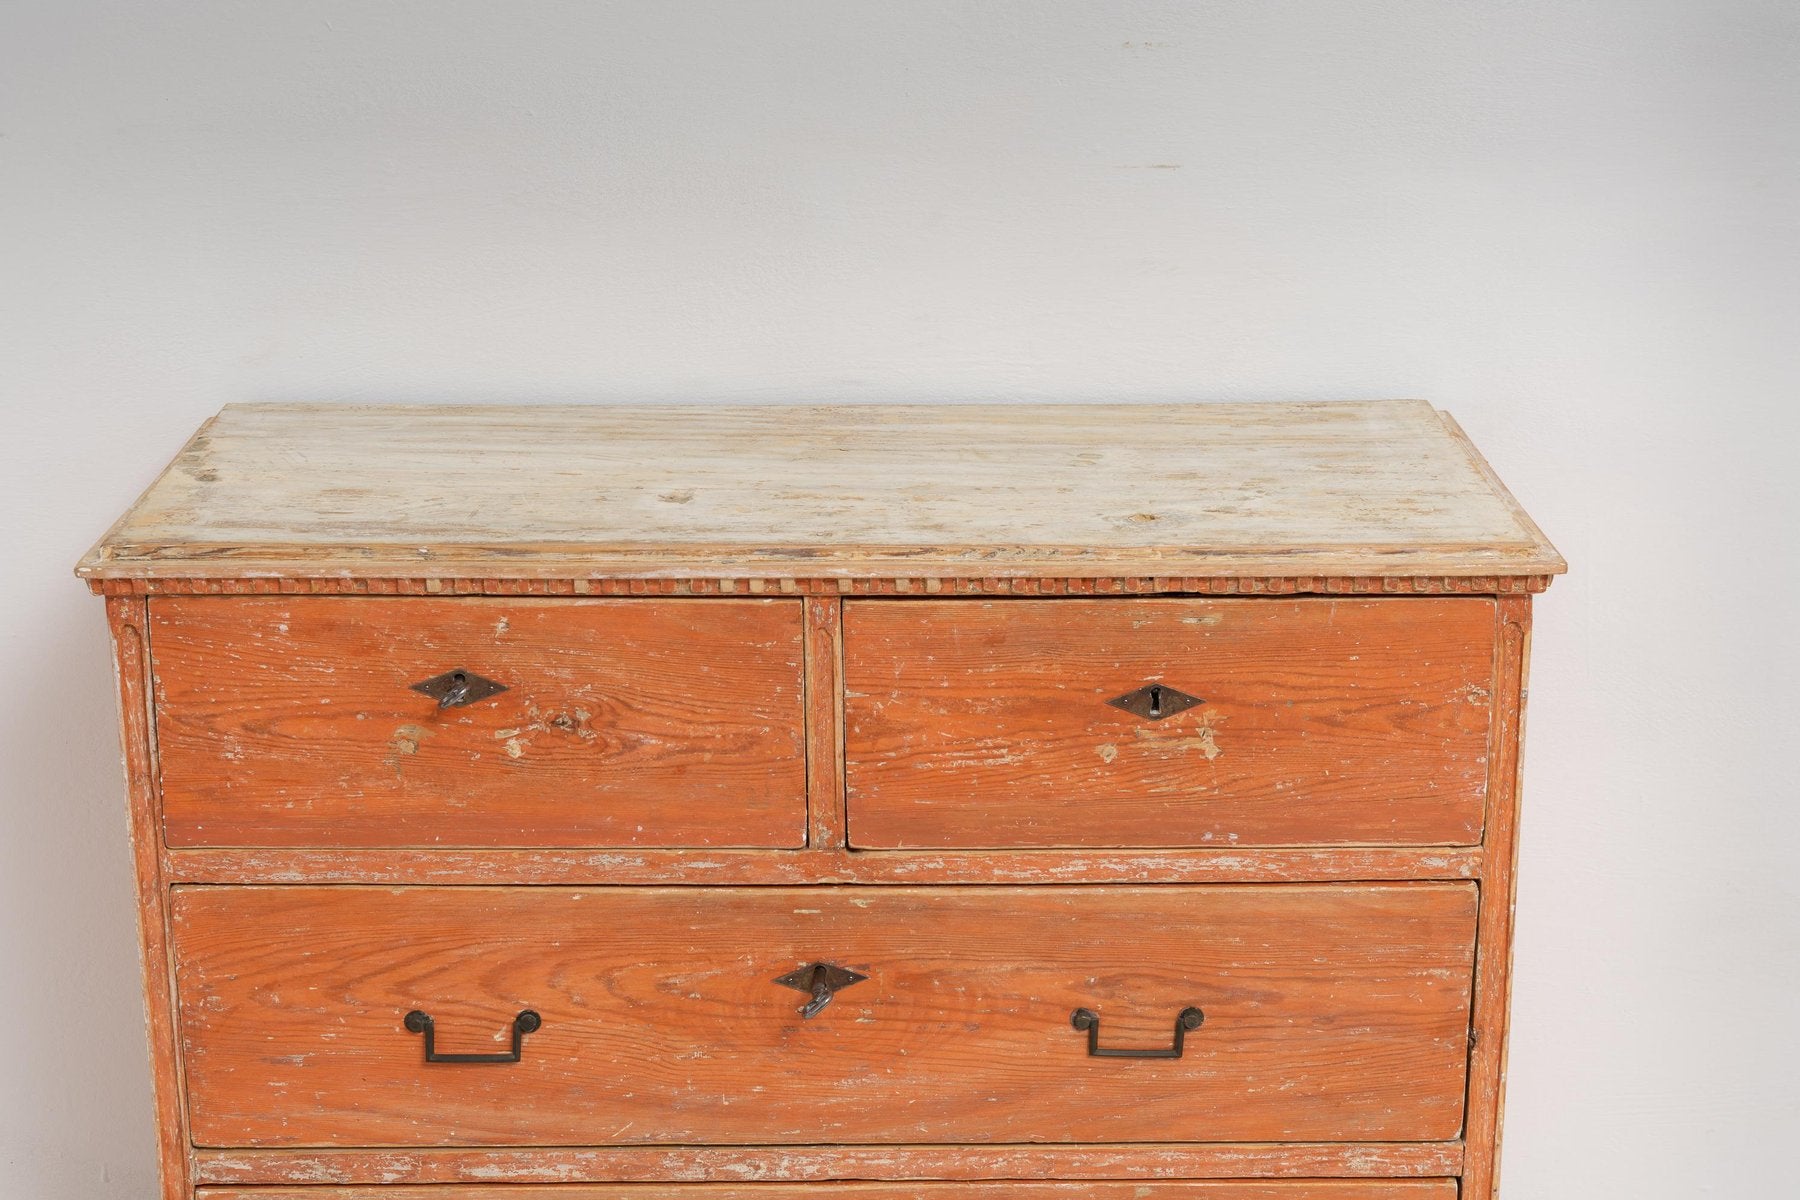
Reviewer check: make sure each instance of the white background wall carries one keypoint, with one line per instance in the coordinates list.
(1574, 224)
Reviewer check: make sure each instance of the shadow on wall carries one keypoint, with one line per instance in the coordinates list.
(74, 1000)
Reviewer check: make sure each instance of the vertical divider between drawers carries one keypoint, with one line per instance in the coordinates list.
(824, 708)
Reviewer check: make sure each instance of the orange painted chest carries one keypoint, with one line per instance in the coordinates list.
(1001, 802)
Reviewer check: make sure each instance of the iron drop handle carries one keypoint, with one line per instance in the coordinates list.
(1089, 1020)
(526, 1022)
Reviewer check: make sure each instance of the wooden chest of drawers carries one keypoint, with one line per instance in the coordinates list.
(773, 803)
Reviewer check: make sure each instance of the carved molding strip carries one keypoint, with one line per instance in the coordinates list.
(1361, 585)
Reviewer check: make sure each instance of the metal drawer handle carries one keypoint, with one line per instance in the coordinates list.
(1089, 1020)
(526, 1022)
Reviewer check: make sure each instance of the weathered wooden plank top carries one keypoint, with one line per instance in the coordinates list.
(1385, 488)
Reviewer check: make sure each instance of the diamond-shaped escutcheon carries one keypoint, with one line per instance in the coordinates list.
(1154, 701)
(821, 981)
(455, 688)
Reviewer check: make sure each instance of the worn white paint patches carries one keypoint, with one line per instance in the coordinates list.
(574, 866)
(517, 739)
(403, 745)
(1107, 751)
(1475, 694)
(1366, 488)
(1147, 1161)
(1200, 736)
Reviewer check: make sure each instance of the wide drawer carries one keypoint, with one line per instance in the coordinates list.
(1319, 722)
(294, 721)
(1323, 1013)
(1300, 1189)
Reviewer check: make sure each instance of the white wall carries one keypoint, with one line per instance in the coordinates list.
(1574, 224)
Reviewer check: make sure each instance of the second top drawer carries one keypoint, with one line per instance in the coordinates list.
(1167, 722)
(296, 721)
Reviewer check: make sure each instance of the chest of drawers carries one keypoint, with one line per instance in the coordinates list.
(781, 803)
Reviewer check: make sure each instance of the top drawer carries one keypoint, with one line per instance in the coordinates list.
(1320, 722)
(293, 721)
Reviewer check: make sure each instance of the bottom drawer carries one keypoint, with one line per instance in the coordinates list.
(1292, 1189)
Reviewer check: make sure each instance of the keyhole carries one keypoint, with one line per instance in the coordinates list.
(1156, 700)
(457, 692)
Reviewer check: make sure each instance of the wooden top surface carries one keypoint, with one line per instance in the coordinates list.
(1384, 488)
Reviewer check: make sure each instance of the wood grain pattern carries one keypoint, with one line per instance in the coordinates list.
(1334, 1013)
(972, 724)
(1338, 1189)
(824, 724)
(1376, 488)
(766, 867)
(550, 1164)
(292, 722)
(127, 620)
(1499, 889)
(1492, 478)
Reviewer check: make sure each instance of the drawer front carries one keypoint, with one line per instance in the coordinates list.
(1319, 722)
(1302, 1189)
(1325, 1013)
(293, 721)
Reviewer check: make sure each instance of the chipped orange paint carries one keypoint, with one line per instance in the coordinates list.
(662, 1022)
(293, 722)
(1324, 722)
